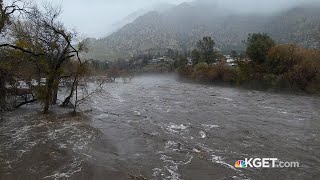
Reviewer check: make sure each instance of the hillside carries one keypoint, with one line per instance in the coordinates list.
(181, 26)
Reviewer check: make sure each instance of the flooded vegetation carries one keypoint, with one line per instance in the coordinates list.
(179, 90)
(159, 128)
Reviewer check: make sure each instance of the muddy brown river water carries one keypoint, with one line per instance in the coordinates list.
(159, 128)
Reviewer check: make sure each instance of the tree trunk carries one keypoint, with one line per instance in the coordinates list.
(2, 90)
(55, 92)
(66, 102)
(76, 101)
(48, 96)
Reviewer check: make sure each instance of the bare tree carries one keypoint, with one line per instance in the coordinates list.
(43, 34)
(86, 94)
(6, 12)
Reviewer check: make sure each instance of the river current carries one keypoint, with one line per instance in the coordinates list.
(157, 127)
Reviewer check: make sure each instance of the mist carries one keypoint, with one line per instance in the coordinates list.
(99, 18)
(257, 6)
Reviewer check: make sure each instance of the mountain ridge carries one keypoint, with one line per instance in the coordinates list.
(181, 26)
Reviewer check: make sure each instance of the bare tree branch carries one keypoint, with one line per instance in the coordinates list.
(21, 49)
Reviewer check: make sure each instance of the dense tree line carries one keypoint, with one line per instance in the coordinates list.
(266, 65)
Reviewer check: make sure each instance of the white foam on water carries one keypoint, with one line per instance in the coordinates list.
(62, 146)
(157, 172)
(20, 136)
(172, 168)
(137, 113)
(218, 160)
(170, 144)
(207, 127)
(225, 98)
(176, 128)
(171, 165)
(268, 107)
(203, 147)
(195, 150)
(279, 110)
(154, 133)
(202, 134)
(215, 158)
(102, 116)
(174, 174)
(57, 175)
(117, 97)
(189, 160)
(283, 112)
(75, 168)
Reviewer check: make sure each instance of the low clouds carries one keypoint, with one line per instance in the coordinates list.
(96, 18)
(258, 6)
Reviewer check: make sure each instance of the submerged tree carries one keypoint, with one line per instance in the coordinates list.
(6, 15)
(42, 33)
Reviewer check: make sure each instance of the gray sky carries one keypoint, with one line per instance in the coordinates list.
(96, 18)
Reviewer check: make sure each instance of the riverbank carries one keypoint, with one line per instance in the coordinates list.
(272, 90)
(244, 76)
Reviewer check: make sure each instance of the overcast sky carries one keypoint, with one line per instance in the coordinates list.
(96, 18)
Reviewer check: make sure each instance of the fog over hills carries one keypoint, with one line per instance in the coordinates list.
(160, 7)
(179, 27)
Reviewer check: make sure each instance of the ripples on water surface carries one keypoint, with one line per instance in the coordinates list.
(158, 128)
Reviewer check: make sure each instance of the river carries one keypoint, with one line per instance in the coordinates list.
(157, 127)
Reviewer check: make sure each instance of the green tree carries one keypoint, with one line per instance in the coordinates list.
(206, 46)
(234, 54)
(258, 46)
(170, 53)
(183, 61)
(195, 56)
